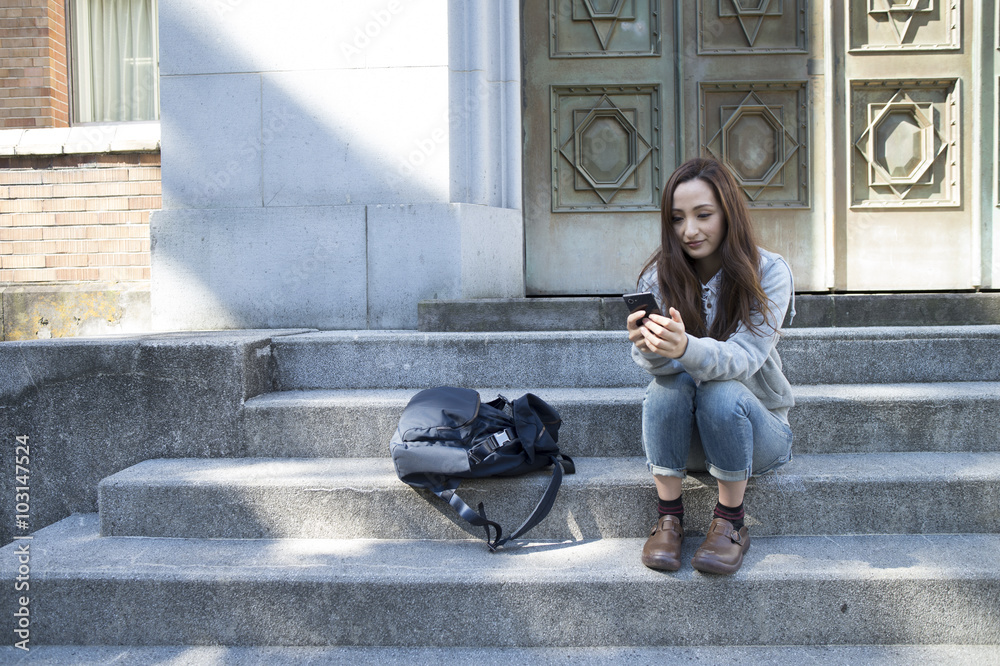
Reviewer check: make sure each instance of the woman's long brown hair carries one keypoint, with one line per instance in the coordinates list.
(741, 298)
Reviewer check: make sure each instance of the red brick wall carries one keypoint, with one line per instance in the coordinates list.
(34, 88)
(77, 218)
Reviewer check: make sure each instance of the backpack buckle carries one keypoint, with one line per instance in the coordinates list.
(479, 452)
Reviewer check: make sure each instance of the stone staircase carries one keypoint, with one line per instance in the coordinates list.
(883, 531)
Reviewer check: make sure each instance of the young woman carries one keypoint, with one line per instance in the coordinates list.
(717, 384)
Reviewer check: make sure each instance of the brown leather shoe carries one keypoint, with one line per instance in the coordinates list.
(663, 547)
(723, 549)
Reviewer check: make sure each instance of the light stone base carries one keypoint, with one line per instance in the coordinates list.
(328, 267)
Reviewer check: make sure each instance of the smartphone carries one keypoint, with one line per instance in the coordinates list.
(643, 300)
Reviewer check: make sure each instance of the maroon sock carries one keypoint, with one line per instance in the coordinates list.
(732, 514)
(671, 508)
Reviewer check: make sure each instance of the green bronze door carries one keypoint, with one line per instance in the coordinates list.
(597, 140)
(849, 124)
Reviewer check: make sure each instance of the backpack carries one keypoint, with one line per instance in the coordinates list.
(447, 434)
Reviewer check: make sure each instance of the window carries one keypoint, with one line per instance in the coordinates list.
(115, 60)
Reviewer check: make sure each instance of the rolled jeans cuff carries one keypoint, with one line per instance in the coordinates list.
(725, 475)
(666, 471)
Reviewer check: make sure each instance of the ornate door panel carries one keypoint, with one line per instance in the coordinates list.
(596, 140)
(750, 100)
(907, 219)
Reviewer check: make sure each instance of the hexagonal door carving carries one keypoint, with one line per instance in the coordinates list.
(901, 144)
(902, 137)
(753, 143)
(604, 147)
(753, 140)
(607, 147)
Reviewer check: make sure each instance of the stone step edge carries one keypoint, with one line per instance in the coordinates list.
(834, 418)
(899, 392)
(609, 312)
(407, 359)
(375, 473)
(361, 336)
(73, 548)
(748, 655)
(415, 593)
(256, 498)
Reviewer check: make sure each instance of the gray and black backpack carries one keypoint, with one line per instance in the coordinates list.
(447, 434)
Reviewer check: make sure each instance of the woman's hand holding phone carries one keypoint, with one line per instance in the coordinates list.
(640, 305)
(658, 334)
(666, 337)
(634, 326)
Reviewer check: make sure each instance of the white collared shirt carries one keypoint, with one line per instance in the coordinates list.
(710, 299)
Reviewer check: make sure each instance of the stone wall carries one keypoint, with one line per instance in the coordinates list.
(332, 173)
(90, 408)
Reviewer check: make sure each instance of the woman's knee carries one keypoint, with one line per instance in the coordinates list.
(724, 400)
(669, 400)
(679, 388)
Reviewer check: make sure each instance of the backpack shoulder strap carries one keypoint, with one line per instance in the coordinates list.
(479, 519)
(559, 462)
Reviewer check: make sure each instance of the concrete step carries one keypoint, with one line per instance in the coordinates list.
(408, 359)
(251, 498)
(608, 313)
(750, 655)
(827, 418)
(811, 590)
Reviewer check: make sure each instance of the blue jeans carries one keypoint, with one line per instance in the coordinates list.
(717, 426)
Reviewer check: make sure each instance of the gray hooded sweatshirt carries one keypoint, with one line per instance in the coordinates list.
(749, 358)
